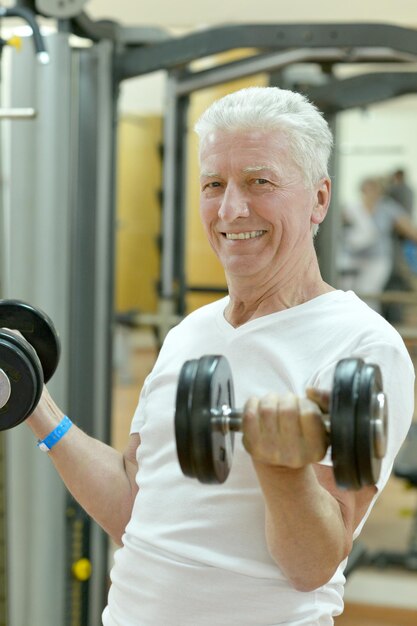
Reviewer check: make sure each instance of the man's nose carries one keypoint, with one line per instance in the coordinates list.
(234, 204)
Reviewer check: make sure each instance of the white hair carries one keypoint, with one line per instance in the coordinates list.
(272, 108)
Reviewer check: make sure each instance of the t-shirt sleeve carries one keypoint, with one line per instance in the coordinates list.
(138, 419)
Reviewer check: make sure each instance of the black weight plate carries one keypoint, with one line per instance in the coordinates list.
(37, 328)
(343, 438)
(25, 348)
(183, 417)
(212, 450)
(369, 387)
(25, 376)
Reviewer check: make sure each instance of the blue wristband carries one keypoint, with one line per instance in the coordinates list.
(63, 427)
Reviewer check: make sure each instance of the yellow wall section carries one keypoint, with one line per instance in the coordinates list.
(139, 172)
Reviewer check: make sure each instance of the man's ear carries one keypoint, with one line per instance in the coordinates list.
(323, 194)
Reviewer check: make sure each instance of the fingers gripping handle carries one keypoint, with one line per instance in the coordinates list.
(228, 420)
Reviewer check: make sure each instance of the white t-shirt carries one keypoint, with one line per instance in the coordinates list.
(196, 555)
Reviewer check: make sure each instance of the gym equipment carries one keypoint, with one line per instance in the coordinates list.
(205, 421)
(25, 362)
(17, 114)
(405, 468)
(29, 16)
(60, 8)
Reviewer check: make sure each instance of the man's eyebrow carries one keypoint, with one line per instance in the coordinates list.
(209, 174)
(260, 168)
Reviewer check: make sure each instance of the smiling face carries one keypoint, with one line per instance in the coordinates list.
(255, 206)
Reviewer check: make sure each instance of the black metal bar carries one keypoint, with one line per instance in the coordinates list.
(81, 400)
(260, 62)
(91, 290)
(181, 51)
(356, 91)
(180, 202)
(84, 26)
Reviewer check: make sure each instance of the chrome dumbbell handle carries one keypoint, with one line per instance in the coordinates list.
(5, 389)
(226, 419)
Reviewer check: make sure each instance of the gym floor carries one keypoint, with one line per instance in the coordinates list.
(373, 597)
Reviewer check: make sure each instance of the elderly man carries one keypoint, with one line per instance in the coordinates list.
(269, 545)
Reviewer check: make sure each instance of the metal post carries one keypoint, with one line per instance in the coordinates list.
(59, 228)
(169, 187)
(173, 214)
(91, 306)
(37, 232)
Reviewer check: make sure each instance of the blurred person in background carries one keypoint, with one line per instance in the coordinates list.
(369, 234)
(399, 190)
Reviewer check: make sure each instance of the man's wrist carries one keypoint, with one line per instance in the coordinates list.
(47, 443)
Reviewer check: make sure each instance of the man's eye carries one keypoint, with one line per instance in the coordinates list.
(261, 181)
(211, 185)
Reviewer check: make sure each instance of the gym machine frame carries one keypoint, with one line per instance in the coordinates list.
(73, 280)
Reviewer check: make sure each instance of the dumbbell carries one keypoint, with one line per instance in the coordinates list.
(24, 365)
(206, 420)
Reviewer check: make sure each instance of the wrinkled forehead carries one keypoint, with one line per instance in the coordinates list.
(247, 150)
(266, 139)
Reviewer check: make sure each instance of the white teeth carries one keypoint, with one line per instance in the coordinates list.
(251, 235)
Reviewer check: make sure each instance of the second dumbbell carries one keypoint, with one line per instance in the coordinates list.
(26, 362)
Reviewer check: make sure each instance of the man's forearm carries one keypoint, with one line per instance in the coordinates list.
(98, 476)
(305, 529)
